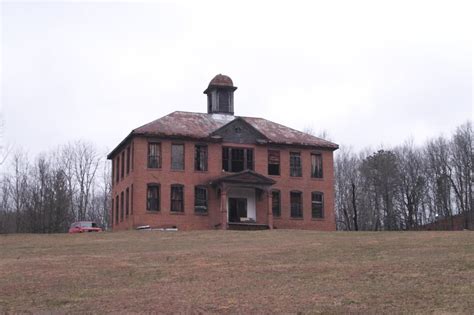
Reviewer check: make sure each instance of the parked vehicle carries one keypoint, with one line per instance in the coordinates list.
(84, 226)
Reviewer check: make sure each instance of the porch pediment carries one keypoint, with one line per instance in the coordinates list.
(246, 177)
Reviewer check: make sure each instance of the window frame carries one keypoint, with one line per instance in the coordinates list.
(296, 170)
(127, 202)
(294, 215)
(317, 203)
(122, 165)
(156, 186)
(122, 210)
(276, 214)
(198, 156)
(156, 157)
(206, 200)
(246, 162)
(269, 151)
(117, 168)
(321, 170)
(128, 160)
(117, 215)
(183, 156)
(172, 209)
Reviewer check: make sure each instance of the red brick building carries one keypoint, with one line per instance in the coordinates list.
(219, 171)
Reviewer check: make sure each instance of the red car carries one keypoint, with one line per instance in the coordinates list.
(84, 226)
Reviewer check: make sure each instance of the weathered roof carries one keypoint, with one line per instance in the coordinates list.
(221, 80)
(200, 126)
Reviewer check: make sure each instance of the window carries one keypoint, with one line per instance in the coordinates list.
(131, 201)
(154, 155)
(128, 160)
(117, 169)
(133, 156)
(296, 204)
(153, 197)
(317, 205)
(112, 219)
(127, 202)
(177, 201)
(316, 165)
(237, 159)
(177, 156)
(273, 162)
(200, 158)
(295, 164)
(276, 208)
(200, 199)
(121, 206)
(116, 209)
(224, 101)
(123, 163)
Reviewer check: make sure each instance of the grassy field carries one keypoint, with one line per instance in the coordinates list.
(279, 271)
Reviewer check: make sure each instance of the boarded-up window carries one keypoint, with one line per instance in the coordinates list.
(317, 205)
(154, 155)
(316, 165)
(177, 198)
(224, 101)
(200, 158)
(296, 204)
(177, 156)
(273, 162)
(295, 164)
(200, 199)
(153, 197)
(276, 204)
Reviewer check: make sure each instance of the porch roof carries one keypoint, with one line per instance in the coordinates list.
(247, 177)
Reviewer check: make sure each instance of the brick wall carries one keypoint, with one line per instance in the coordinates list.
(140, 176)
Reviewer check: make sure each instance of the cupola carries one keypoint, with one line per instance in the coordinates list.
(220, 95)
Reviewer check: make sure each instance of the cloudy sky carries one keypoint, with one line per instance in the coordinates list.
(369, 73)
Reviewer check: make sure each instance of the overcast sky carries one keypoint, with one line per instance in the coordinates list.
(370, 73)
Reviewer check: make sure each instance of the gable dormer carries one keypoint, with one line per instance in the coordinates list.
(220, 95)
(239, 131)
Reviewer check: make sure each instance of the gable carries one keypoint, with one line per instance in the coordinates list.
(239, 131)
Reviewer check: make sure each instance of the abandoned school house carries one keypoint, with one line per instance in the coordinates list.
(216, 170)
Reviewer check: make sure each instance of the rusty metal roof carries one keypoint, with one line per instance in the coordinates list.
(201, 125)
(221, 80)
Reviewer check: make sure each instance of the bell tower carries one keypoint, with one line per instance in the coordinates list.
(220, 95)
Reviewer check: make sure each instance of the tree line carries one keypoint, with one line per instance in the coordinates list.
(408, 186)
(401, 188)
(47, 194)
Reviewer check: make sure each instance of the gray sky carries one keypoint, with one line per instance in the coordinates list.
(369, 73)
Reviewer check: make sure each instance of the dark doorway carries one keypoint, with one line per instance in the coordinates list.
(237, 209)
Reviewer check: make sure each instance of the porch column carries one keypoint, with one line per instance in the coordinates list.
(223, 209)
(270, 211)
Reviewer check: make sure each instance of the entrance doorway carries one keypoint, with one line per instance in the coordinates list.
(237, 209)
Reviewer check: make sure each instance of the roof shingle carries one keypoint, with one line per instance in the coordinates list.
(201, 125)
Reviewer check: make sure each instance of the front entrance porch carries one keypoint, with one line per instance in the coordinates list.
(245, 201)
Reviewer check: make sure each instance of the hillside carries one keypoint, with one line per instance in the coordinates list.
(276, 271)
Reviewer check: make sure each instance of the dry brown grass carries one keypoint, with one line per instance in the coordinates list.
(277, 271)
